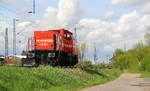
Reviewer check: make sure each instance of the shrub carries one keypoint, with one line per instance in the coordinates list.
(17, 60)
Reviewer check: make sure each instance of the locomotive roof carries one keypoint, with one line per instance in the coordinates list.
(57, 30)
(61, 30)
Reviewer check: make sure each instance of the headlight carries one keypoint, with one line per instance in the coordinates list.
(51, 54)
(31, 55)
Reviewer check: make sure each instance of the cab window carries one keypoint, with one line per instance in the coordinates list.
(67, 36)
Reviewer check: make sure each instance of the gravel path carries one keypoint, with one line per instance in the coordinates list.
(126, 82)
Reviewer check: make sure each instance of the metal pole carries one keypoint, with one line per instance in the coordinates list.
(95, 53)
(6, 42)
(33, 6)
(75, 31)
(124, 45)
(14, 37)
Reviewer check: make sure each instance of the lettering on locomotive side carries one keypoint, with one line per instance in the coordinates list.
(66, 45)
(45, 40)
(43, 44)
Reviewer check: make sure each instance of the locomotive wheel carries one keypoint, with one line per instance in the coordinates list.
(53, 62)
(60, 61)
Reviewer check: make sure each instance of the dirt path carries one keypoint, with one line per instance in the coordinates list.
(126, 82)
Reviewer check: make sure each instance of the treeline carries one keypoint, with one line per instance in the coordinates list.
(136, 59)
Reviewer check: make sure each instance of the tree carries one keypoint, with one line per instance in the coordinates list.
(147, 36)
(118, 57)
(135, 59)
(118, 52)
(83, 47)
(138, 46)
(139, 51)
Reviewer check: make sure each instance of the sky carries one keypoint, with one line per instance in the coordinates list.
(110, 24)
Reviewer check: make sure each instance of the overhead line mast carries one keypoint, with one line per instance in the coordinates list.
(75, 30)
(95, 53)
(14, 36)
(33, 6)
(6, 43)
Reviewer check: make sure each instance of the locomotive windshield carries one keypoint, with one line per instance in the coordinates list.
(67, 36)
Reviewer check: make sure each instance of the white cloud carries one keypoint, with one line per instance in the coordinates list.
(129, 29)
(2, 26)
(9, 1)
(49, 19)
(109, 15)
(65, 16)
(145, 8)
(131, 17)
(142, 6)
(23, 24)
(12, 2)
(129, 2)
(108, 48)
(68, 12)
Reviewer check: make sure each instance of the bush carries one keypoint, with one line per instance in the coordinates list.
(17, 60)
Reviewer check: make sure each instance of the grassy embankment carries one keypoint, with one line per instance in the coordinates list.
(144, 74)
(52, 79)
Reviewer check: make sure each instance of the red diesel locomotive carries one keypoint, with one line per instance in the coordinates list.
(52, 47)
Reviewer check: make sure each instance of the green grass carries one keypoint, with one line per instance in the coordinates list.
(144, 74)
(52, 79)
